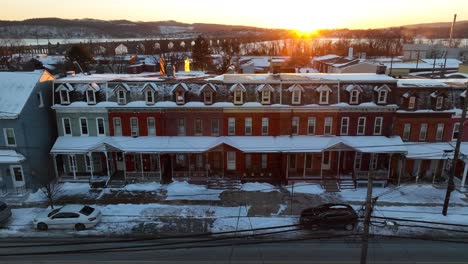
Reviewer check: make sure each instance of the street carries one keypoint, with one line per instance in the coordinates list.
(266, 250)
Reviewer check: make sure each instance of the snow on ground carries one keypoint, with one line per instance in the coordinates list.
(67, 188)
(245, 223)
(455, 215)
(308, 188)
(259, 187)
(186, 191)
(143, 187)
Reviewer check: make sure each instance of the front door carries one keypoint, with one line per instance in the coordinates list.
(17, 176)
(120, 161)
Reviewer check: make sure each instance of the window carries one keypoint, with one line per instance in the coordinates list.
(357, 160)
(456, 130)
(311, 126)
(423, 132)
(373, 161)
(248, 126)
(10, 138)
(199, 161)
(181, 127)
(17, 172)
(265, 97)
(407, 132)
(309, 158)
(208, 97)
(295, 125)
(151, 123)
(88, 163)
(248, 161)
(231, 126)
(215, 127)
(84, 126)
(149, 94)
(91, 97)
(361, 126)
(180, 99)
(344, 125)
(101, 131)
(231, 160)
(265, 122)
(440, 131)
(382, 97)
(40, 101)
(72, 163)
(354, 97)
(121, 97)
(324, 97)
(378, 125)
(296, 97)
(117, 127)
(326, 157)
(198, 127)
(264, 161)
(327, 129)
(66, 123)
(292, 161)
(439, 102)
(64, 97)
(181, 160)
(238, 97)
(134, 126)
(412, 102)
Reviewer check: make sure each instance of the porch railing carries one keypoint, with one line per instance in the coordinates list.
(376, 175)
(147, 175)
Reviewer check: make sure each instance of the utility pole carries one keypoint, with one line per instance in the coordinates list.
(456, 154)
(365, 235)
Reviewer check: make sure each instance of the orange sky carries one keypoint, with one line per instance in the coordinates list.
(294, 14)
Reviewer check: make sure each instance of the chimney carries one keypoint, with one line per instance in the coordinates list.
(381, 69)
(350, 52)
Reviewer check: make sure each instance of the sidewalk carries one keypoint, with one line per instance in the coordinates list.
(180, 207)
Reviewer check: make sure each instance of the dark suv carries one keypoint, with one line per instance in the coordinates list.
(328, 216)
(5, 213)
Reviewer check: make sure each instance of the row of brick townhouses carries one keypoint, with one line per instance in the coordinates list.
(271, 127)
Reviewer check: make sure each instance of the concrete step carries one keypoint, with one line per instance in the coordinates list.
(224, 184)
(330, 186)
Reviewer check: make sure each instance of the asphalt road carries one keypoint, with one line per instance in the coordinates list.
(328, 250)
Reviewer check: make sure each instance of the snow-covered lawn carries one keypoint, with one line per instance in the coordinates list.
(246, 223)
(187, 191)
(259, 187)
(66, 189)
(303, 187)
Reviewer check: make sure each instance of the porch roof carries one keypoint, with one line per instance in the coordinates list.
(431, 151)
(10, 156)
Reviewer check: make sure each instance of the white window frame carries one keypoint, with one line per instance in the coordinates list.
(248, 126)
(103, 126)
(5, 132)
(134, 127)
(238, 96)
(88, 163)
(382, 97)
(328, 123)
(357, 160)
(311, 122)
(149, 94)
(121, 97)
(66, 100)
(264, 161)
(440, 131)
(373, 161)
(198, 122)
(361, 127)
(17, 183)
(324, 96)
(296, 97)
(344, 126)
(215, 127)
(180, 97)
(295, 125)
(412, 102)
(64, 128)
(231, 126)
(231, 160)
(354, 97)
(181, 127)
(72, 165)
(326, 166)
(456, 129)
(423, 132)
(378, 125)
(40, 99)
(266, 97)
(81, 126)
(151, 128)
(406, 132)
(265, 126)
(439, 102)
(93, 97)
(208, 97)
(117, 128)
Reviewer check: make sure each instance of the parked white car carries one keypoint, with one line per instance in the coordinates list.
(78, 217)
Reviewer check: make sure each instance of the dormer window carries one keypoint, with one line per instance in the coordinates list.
(64, 97)
(439, 102)
(265, 93)
(296, 95)
(238, 91)
(121, 97)
(91, 97)
(179, 91)
(207, 91)
(324, 91)
(149, 96)
(354, 97)
(149, 90)
(382, 97)
(412, 102)
(180, 98)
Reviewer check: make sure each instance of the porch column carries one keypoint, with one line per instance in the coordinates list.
(465, 171)
(389, 165)
(189, 168)
(305, 160)
(159, 166)
(402, 169)
(172, 164)
(339, 164)
(321, 167)
(125, 165)
(142, 169)
(73, 167)
(287, 166)
(54, 157)
(107, 163)
(90, 156)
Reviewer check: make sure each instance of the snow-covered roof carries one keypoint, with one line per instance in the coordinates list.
(324, 87)
(421, 83)
(94, 86)
(10, 156)
(302, 77)
(183, 85)
(296, 87)
(210, 85)
(122, 86)
(237, 86)
(267, 87)
(352, 87)
(65, 86)
(326, 57)
(15, 90)
(423, 150)
(382, 88)
(150, 86)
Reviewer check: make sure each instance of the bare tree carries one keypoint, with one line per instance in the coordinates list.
(49, 186)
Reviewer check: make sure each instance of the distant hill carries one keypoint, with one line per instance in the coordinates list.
(437, 24)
